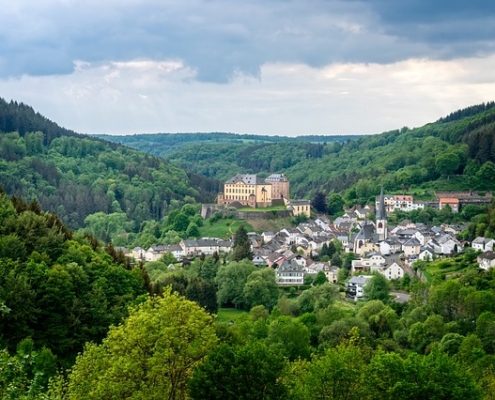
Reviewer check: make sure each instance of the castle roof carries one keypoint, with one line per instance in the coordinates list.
(248, 179)
(276, 178)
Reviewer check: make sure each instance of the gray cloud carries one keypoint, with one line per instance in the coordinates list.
(221, 37)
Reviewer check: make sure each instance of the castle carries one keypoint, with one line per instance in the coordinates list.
(252, 191)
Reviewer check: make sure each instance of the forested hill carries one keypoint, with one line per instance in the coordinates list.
(455, 152)
(163, 144)
(77, 175)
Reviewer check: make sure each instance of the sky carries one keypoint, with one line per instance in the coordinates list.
(287, 67)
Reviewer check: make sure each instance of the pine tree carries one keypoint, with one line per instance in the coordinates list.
(242, 246)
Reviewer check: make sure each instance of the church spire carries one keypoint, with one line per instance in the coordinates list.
(381, 213)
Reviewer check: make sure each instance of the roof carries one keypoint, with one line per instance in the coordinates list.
(276, 178)
(366, 232)
(290, 266)
(412, 242)
(360, 279)
(487, 255)
(248, 179)
(300, 202)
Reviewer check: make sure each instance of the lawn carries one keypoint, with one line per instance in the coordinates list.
(230, 315)
(263, 209)
(222, 228)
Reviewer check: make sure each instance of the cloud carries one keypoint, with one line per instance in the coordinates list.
(221, 38)
(145, 95)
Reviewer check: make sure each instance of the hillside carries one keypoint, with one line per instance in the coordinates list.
(76, 175)
(451, 153)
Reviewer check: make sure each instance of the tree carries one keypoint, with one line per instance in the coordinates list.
(231, 279)
(320, 279)
(377, 289)
(319, 202)
(242, 245)
(335, 204)
(192, 230)
(435, 376)
(151, 355)
(244, 373)
(338, 374)
(261, 288)
(289, 336)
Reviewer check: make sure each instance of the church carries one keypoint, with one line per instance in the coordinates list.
(370, 234)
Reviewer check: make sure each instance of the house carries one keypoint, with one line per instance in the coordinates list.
(205, 246)
(290, 273)
(373, 263)
(426, 254)
(390, 246)
(411, 247)
(356, 285)
(394, 271)
(137, 253)
(267, 236)
(483, 244)
(259, 261)
(448, 244)
(486, 260)
(401, 202)
(299, 207)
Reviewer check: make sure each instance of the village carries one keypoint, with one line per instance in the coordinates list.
(296, 253)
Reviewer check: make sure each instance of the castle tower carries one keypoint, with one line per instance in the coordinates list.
(381, 218)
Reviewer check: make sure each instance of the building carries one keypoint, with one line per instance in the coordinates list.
(394, 271)
(401, 202)
(486, 260)
(381, 218)
(280, 186)
(483, 244)
(290, 273)
(355, 286)
(456, 200)
(252, 191)
(300, 207)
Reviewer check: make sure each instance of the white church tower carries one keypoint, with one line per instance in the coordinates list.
(381, 218)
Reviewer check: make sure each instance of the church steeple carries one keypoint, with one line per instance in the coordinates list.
(381, 218)
(381, 212)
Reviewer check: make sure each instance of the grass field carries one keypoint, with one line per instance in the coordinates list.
(263, 209)
(223, 228)
(230, 314)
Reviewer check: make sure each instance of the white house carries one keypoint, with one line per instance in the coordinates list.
(355, 286)
(483, 244)
(486, 260)
(138, 253)
(390, 246)
(449, 244)
(411, 247)
(290, 273)
(426, 254)
(394, 271)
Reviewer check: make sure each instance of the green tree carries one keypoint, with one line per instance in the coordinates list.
(151, 355)
(231, 279)
(261, 288)
(242, 247)
(247, 372)
(319, 202)
(335, 204)
(377, 289)
(289, 336)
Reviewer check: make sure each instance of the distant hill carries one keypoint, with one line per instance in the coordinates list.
(77, 175)
(455, 152)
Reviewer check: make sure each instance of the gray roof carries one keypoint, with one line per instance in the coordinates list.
(412, 242)
(248, 179)
(366, 232)
(276, 178)
(360, 280)
(290, 266)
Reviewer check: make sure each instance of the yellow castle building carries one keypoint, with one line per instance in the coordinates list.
(252, 191)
